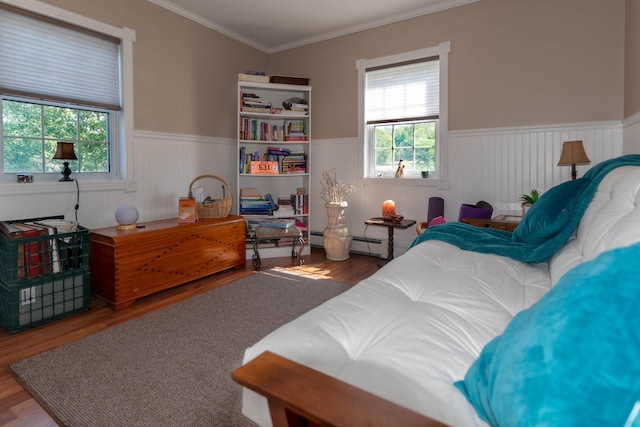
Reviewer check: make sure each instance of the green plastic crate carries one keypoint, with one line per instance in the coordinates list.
(59, 287)
(71, 252)
(41, 300)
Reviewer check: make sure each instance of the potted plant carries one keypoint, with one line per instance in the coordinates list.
(528, 200)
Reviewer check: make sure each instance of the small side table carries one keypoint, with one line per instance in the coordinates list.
(264, 234)
(391, 226)
(500, 222)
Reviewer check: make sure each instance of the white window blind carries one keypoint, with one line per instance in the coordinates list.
(41, 59)
(403, 92)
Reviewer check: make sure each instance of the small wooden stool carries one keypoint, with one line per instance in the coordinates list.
(265, 234)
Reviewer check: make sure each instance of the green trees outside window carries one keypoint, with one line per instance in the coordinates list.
(415, 143)
(30, 132)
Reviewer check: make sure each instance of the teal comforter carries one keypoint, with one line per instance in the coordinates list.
(545, 228)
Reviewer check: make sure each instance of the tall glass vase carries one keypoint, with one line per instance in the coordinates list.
(336, 237)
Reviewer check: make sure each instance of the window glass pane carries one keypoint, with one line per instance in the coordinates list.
(94, 157)
(51, 165)
(35, 154)
(22, 155)
(93, 126)
(425, 143)
(414, 143)
(21, 119)
(60, 123)
(383, 147)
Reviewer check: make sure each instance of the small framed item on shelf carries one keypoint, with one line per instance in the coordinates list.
(187, 210)
(265, 167)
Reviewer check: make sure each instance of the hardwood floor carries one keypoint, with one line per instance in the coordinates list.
(18, 408)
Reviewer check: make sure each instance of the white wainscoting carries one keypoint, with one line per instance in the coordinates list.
(496, 165)
(631, 127)
(499, 165)
(165, 165)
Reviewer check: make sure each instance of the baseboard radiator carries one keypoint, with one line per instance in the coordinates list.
(359, 245)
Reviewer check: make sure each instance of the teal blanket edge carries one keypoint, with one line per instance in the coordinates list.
(545, 228)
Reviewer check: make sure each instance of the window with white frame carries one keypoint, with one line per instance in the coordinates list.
(403, 105)
(59, 82)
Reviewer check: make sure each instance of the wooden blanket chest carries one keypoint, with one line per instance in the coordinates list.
(130, 264)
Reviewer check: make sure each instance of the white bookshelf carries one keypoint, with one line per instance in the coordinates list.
(252, 140)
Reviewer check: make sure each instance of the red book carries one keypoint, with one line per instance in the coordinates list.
(31, 250)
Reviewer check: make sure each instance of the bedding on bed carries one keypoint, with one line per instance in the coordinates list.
(544, 229)
(573, 358)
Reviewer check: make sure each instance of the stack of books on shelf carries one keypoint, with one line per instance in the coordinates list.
(295, 130)
(300, 202)
(298, 109)
(252, 203)
(275, 160)
(259, 130)
(284, 205)
(254, 76)
(274, 152)
(252, 103)
(294, 163)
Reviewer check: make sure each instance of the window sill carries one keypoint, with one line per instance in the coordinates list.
(18, 189)
(442, 184)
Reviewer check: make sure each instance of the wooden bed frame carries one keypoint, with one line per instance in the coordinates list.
(299, 396)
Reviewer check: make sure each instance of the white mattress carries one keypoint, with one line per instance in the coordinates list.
(410, 330)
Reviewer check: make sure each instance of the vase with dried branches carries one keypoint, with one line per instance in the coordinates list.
(336, 237)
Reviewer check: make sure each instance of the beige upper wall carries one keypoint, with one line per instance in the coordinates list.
(184, 73)
(513, 62)
(632, 59)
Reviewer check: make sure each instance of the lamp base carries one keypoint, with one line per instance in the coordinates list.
(126, 227)
(66, 172)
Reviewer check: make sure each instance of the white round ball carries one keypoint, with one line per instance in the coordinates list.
(126, 215)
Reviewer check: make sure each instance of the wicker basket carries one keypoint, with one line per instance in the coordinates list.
(218, 209)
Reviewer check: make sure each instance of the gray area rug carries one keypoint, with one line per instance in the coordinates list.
(171, 367)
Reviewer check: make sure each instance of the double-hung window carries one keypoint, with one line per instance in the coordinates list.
(59, 82)
(403, 101)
